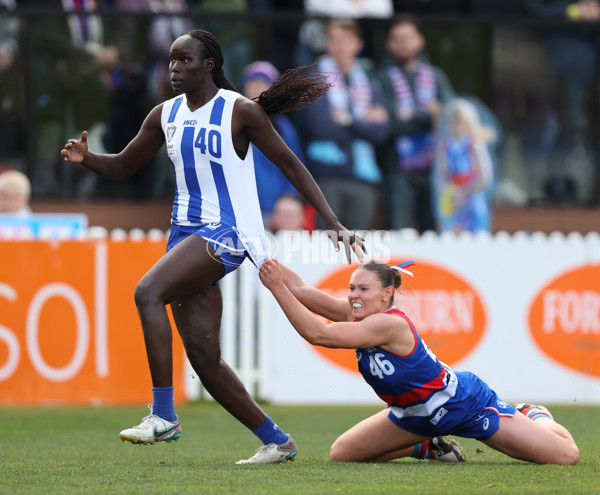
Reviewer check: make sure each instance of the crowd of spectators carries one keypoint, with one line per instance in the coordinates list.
(390, 145)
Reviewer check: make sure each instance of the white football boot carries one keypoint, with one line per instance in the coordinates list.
(446, 450)
(273, 453)
(152, 429)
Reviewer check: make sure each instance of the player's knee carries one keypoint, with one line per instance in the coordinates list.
(144, 294)
(571, 456)
(566, 457)
(337, 453)
(206, 359)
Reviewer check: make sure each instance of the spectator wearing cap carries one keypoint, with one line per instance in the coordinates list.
(270, 181)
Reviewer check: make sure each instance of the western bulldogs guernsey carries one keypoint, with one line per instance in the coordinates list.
(214, 186)
(413, 385)
(426, 397)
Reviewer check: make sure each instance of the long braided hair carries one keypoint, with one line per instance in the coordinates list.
(295, 89)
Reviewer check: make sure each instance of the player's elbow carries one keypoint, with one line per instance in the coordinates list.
(316, 336)
(314, 340)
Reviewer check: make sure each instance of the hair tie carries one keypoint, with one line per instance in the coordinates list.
(402, 267)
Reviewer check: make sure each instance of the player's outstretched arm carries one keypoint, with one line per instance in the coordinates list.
(256, 125)
(374, 330)
(317, 301)
(310, 327)
(138, 152)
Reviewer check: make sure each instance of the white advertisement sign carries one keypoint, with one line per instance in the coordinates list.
(521, 311)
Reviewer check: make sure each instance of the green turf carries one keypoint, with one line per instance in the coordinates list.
(77, 450)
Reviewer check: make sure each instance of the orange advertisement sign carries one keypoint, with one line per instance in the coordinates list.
(69, 330)
(564, 319)
(446, 310)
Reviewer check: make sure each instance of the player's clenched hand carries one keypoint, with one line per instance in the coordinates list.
(75, 150)
(270, 274)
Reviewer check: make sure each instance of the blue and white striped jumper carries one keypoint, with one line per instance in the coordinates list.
(213, 184)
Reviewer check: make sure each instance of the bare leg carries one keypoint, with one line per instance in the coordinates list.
(542, 441)
(198, 319)
(375, 439)
(186, 269)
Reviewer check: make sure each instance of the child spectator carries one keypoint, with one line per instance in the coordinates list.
(15, 192)
(464, 173)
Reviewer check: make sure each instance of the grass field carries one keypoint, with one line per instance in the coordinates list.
(77, 450)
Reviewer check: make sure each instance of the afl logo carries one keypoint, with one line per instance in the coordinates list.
(171, 128)
(564, 319)
(446, 310)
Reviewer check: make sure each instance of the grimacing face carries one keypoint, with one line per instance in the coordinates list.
(366, 295)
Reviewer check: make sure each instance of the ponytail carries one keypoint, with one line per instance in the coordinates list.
(295, 89)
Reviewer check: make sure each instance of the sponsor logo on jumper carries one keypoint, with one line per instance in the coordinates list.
(438, 416)
(190, 122)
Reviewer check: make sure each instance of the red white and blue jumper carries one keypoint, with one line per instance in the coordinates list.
(426, 397)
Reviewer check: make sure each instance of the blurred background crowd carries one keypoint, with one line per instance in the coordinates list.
(439, 111)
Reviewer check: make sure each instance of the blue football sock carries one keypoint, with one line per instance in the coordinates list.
(269, 432)
(162, 403)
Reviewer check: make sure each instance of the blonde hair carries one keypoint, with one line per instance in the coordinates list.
(16, 179)
(469, 111)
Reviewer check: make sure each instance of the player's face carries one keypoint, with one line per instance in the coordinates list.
(188, 67)
(366, 294)
(404, 42)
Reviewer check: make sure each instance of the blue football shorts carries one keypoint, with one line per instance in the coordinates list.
(473, 412)
(220, 236)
